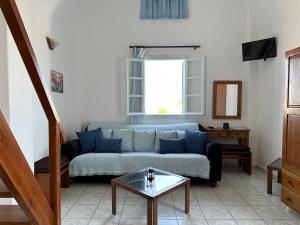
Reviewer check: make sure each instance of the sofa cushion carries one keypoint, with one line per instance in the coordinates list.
(143, 140)
(87, 140)
(195, 141)
(165, 135)
(127, 139)
(104, 145)
(171, 146)
(180, 134)
(107, 133)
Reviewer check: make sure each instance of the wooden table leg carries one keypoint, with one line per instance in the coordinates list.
(270, 180)
(155, 213)
(279, 176)
(113, 197)
(149, 212)
(187, 198)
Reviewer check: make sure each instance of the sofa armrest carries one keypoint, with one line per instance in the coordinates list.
(214, 155)
(71, 149)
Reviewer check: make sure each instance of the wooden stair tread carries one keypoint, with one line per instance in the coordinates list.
(13, 214)
(4, 193)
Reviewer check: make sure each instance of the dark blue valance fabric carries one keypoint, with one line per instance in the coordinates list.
(164, 9)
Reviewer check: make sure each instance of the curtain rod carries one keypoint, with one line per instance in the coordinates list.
(166, 46)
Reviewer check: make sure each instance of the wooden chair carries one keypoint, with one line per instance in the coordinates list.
(275, 165)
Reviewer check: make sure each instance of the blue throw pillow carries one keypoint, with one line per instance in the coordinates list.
(87, 140)
(104, 145)
(171, 146)
(195, 142)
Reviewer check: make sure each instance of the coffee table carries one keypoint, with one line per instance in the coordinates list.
(163, 183)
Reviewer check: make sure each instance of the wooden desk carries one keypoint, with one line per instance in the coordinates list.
(239, 150)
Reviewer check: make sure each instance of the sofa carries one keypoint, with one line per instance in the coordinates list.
(140, 149)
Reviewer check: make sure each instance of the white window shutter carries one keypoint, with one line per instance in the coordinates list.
(195, 82)
(135, 86)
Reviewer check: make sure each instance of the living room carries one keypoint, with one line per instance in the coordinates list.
(103, 54)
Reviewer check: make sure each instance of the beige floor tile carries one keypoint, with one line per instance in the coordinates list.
(96, 189)
(231, 199)
(250, 222)
(133, 212)
(105, 212)
(281, 222)
(107, 200)
(75, 221)
(194, 214)
(216, 212)
(242, 212)
(166, 212)
(269, 212)
(65, 209)
(192, 222)
(221, 222)
(104, 222)
(258, 200)
(135, 200)
(209, 200)
(167, 222)
(89, 199)
(69, 198)
(81, 212)
(132, 222)
(246, 191)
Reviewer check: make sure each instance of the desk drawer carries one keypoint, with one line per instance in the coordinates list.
(291, 199)
(218, 134)
(291, 182)
(238, 134)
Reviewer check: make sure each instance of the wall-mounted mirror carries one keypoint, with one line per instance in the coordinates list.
(227, 99)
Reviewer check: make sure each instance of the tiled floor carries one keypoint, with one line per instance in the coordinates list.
(239, 199)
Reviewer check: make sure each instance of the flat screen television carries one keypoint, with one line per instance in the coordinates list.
(261, 49)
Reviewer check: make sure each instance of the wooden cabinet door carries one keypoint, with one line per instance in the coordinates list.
(291, 132)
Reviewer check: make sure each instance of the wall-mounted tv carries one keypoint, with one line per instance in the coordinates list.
(261, 49)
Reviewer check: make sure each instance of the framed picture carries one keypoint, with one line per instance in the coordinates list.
(57, 82)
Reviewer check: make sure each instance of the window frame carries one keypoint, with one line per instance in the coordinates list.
(185, 77)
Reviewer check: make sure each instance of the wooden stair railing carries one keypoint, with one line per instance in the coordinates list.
(18, 177)
(16, 174)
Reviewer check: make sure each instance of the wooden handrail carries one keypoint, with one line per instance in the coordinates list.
(19, 179)
(56, 133)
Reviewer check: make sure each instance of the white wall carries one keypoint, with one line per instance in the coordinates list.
(27, 119)
(4, 104)
(94, 44)
(94, 40)
(281, 22)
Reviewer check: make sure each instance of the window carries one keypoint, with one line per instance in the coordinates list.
(163, 87)
(166, 86)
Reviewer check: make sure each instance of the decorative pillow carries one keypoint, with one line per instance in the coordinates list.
(180, 134)
(87, 140)
(195, 141)
(171, 146)
(164, 135)
(127, 139)
(104, 145)
(107, 133)
(143, 140)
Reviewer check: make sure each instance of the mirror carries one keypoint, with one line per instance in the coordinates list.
(227, 99)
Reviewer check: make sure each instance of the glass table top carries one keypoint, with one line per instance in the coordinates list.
(162, 181)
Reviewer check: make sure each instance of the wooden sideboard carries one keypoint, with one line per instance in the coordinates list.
(235, 145)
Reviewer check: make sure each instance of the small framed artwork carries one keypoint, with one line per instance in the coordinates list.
(57, 82)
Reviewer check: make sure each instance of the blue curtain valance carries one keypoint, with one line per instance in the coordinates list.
(164, 9)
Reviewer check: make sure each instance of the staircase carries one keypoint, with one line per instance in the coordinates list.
(16, 178)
